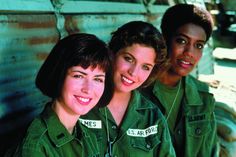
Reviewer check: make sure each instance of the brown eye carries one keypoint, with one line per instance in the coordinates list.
(199, 46)
(100, 80)
(145, 67)
(78, 76)
(128, 59)
(180, 41)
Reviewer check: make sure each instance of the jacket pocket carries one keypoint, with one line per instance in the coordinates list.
(145, 144)
(198, 128)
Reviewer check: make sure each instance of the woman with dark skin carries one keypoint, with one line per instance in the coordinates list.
(185, 101)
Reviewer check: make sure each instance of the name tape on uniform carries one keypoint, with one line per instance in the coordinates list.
(95, 124)
(143, 132)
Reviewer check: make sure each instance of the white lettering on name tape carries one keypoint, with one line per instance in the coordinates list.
(95, 124)
(142, 132)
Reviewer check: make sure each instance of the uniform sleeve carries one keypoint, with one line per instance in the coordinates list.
(215, 141)
(29, 147)
(211, 143)
(28, 151)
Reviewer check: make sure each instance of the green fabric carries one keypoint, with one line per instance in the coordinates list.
(47, 137)
(168, 97)
(194, 134)
(151, 140)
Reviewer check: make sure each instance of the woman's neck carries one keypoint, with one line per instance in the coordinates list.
(118, 105)
(67, 119)
(170, 79)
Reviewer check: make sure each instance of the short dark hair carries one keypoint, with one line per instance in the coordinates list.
(77, 49)
(144, 33)
(181, 14)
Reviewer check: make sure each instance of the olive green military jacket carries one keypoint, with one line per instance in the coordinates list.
(195, 131)
(142, 133)
(47, 137)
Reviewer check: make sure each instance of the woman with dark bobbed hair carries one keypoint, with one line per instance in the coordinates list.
(185, 101)
(76, 75)
(132, 125)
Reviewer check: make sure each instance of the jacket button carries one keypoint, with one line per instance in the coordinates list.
(113, 127)
(148, 146)
(198, 131)
(179, 131)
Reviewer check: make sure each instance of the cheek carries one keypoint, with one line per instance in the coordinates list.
(175, 51)
(198, 56)
(120, 65)
(99, 89)
(144, 75)
(72, 85)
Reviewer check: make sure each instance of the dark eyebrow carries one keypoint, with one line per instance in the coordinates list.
(99, 75)
(79, 72)
(181, 34)
(135, 59)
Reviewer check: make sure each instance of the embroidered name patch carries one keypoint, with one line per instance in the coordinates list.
(196, 117)
(142, 132)
(95, 124)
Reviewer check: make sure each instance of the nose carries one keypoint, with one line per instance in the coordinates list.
(133, 70)
(86, 86)
(189, 50)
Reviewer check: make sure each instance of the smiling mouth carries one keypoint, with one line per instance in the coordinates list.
(126, 80)
(185, 64)
(83, 100)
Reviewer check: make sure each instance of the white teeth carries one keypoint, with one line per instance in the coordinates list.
(127, 80)
(185, 62)
(84, 99)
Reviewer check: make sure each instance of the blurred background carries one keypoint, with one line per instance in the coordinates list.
(30, 28)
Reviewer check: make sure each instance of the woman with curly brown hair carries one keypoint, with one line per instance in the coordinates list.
(131, 124)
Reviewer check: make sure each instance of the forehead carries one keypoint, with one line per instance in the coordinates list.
(89, 69)
(192, 31)
(140, 52)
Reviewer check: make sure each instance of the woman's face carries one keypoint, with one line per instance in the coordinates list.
(82, 89)
(186, 48)
(133, 65)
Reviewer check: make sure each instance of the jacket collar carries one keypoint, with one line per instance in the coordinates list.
(140, 102)
(137, 104)
(192, 92)
(56, 130)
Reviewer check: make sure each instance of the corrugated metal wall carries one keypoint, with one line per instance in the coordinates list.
(28, 31)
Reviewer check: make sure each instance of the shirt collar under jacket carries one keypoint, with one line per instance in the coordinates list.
(137, 103)
(56, 130)
(191, 92)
